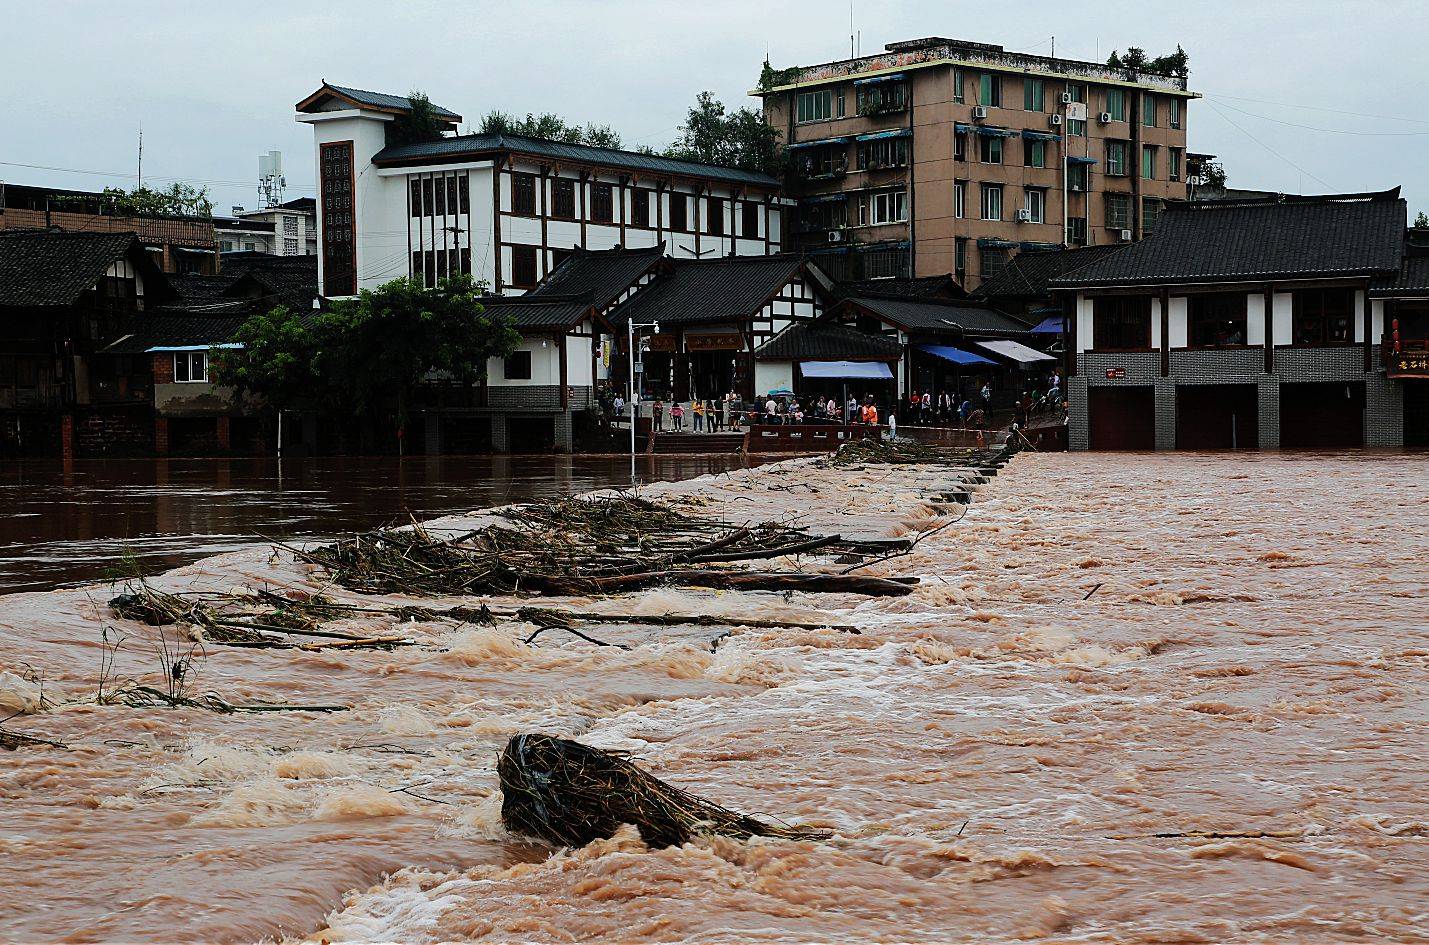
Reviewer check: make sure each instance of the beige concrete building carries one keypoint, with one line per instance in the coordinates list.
(942, 155)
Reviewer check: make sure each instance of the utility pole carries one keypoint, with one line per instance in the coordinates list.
(140, 184)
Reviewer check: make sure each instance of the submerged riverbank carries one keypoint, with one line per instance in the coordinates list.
(1137, 698)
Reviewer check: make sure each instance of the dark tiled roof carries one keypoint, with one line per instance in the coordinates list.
(291, 279)
(1412, 279)
(915, 315)
(47, 267)
(301, 204)
(461, 146)
(528, 312)
(923, 287)
(828, 341)
(1328, 236)
(694, 291)
(383, 101)
(601, 276)
(177, 330)
(192, 287)
(1028, 274)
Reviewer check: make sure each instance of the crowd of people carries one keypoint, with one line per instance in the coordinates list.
(971, 408)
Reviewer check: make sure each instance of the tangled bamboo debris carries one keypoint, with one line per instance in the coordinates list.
(262, 619)
(147, 697)
(575, 546)
(569, 794)
(873, 452)
(14, 741)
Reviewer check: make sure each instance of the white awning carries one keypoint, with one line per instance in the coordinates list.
(1017, 352)
(862, 369)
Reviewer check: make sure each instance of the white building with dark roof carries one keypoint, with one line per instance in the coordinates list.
(506, 208)
(1282, 322)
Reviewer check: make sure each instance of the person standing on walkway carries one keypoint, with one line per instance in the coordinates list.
(657, 414)
(725, 409)
(677, 414)
(698, 410)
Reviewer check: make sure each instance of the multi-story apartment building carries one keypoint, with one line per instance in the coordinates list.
(942, 155)
(507, 208)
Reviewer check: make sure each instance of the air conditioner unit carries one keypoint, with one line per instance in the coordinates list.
(1126, 236)
(1054, 120)
(1024, 215)
(1067, 98)
(979, 111)
(1075, 188)
(836, 236)
(1104, 118)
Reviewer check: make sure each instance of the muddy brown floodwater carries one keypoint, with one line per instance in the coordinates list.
(64, 525)
(1153, 698)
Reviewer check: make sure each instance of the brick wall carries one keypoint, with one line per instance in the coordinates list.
(1384, 398)
(163, 369)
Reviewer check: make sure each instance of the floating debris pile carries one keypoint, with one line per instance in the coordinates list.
(569, 794)
(903, 452)
(577, 546)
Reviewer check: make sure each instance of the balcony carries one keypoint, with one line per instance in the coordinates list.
(870, 109)
(816, 168)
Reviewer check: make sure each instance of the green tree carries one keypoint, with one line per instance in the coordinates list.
(419, 124)
(1135, 60)
(741, 138)
(1421, 219)
(551, 127)
(366, 356)
(178, 200)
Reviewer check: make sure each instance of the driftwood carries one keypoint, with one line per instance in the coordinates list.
(569, 794)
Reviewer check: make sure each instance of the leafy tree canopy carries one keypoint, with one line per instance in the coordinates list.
(551, 127)
(1136, 60)
(1421, 219)
(740, 138)
(367, 355)
(418, 125)
(178, 200)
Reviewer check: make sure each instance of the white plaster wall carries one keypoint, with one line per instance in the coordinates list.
(545, 366)
(1281, 332)
(1359, 316)
(1178, 322)
(1155, 323)
(578, 361)
(772, 375)
(1255, 318)
(1376, 314)
(1084, 323)
(380, 226)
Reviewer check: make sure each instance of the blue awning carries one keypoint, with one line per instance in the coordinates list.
(962, 127)
(955, 355)
(1036, 246)
(1051, 325)
(895, 133)
(875, 247)
(992, 242)
(862, 369)
(842, 139)
(828, 251)
(824, 198)
(987, 132)
(1040, 135)
(1073, 159)
(892, 77)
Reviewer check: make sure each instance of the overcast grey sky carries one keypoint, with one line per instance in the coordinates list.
(1305, 96)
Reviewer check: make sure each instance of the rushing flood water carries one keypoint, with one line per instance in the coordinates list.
(100, 518)
(1151, 698)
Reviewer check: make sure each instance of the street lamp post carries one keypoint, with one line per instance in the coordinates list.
(630, 327)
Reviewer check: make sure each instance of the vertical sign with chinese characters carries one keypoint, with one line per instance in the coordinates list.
(339, 227)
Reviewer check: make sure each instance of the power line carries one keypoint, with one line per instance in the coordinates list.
(192, 180)
(1317, 108)
(1216, 108)
(1333, 131)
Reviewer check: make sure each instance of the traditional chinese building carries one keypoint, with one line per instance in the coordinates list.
(1267, 322)
(505, 208)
